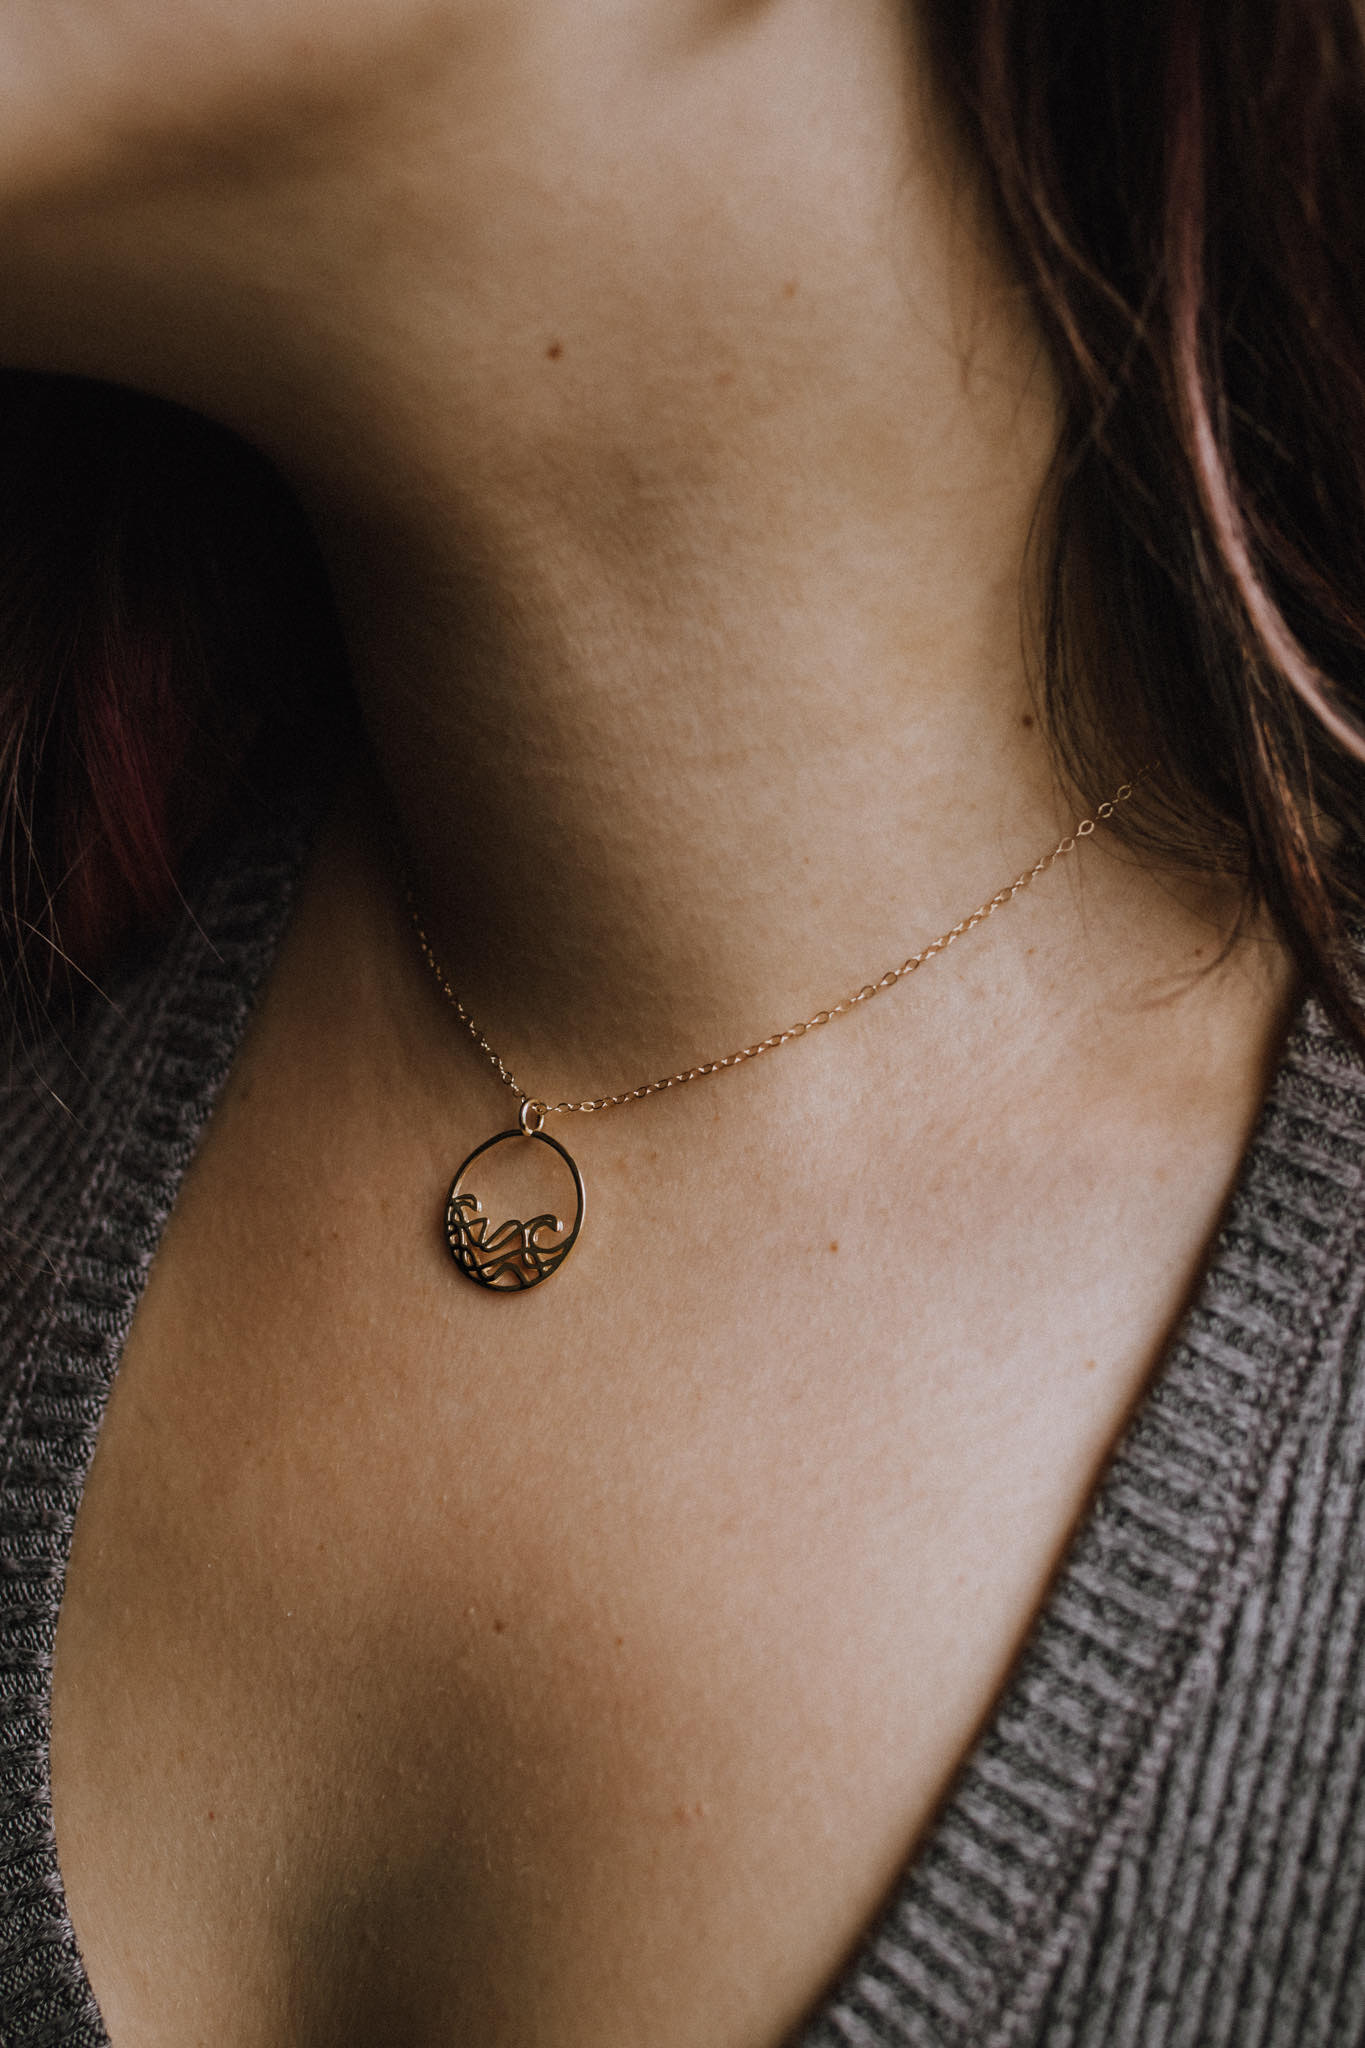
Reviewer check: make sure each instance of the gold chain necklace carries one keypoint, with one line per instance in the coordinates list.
(520, 1255)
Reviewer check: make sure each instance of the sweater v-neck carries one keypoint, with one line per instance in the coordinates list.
(983, 1937)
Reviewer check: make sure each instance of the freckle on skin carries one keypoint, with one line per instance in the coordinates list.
(1090, 1364)
(499, 1628)
(1027, 721)
(834, 1244)
(555, 351)
(789, 288)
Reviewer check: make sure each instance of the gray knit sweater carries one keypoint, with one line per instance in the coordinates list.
(1159, 1840)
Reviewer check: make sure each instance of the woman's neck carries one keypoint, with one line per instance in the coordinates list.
(674, 430)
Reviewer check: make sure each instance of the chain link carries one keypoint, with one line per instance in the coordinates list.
(535, 1103)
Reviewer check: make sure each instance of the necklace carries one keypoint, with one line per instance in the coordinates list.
(516, 1256)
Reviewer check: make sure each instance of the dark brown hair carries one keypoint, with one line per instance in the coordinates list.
(1183, 185)
(165, 632)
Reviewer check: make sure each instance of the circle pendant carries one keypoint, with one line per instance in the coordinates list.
(516, 1255)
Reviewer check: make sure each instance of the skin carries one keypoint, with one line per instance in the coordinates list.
(583, 1670)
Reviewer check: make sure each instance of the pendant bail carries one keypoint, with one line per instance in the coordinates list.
(531, 1116)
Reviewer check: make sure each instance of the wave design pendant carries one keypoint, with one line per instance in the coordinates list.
(515, 1255)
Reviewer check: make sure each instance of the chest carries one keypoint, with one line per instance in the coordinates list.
(579, 1667)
